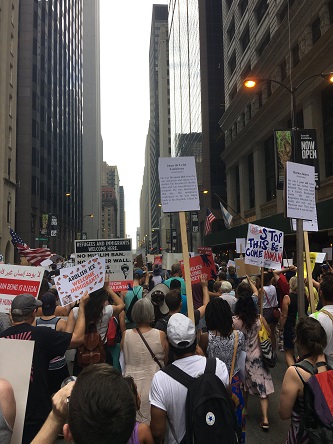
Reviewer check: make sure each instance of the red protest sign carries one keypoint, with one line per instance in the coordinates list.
(202, 264)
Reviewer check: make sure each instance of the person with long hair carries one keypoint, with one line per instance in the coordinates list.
(288, 319)
(258, 380)
(138, 360)
(219, 342)
(310, 341)
(269, 303)
(97, 315)
(141, 433)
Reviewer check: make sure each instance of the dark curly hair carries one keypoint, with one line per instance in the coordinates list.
(311, 335)
(219, 317)
(246, 310)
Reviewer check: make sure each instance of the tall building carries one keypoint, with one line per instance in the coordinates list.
(49, 123)
(92, 141)
(9, 12)
(121, 213)
(197, 95)
(285, 41)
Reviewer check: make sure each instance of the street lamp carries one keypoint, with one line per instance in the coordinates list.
(251, 83)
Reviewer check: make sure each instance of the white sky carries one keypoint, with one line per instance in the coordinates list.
(125, 34)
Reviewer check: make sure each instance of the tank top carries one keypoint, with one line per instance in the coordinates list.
(59, 361)
(6, 431)
(134, 439)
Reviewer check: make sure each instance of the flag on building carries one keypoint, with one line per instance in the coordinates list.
(33, 255)
(227, 218)
(209, 222)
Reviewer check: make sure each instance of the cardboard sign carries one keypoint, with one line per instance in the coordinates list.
(203, 264)
(178, 184)
(118, 258)
(240, 245)
(243, 269)
(300, 191)
(16, 368)
(18, 279)
(72, 284)
(264, 247)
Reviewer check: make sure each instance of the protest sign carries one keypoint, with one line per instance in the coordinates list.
(178, 184)
(328, 252)
(204, 250)
(264, 247)
(17, 279)
(18, 375)
(203, 264)
(240, 245)
(231, 263)
(287, 262)
(243, 269)
(72, 284)
(158, 259)
(118, 259)
(308, 225)
(300, 191)
(320, 257)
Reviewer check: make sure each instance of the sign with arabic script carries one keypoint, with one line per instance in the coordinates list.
(18, 279)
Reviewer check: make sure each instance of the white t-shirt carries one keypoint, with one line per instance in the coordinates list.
(270, 293)
(169, 395)
(101, 326)
(327, 324)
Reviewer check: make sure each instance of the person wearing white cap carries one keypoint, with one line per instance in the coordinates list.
(48, 345)
(167, 396)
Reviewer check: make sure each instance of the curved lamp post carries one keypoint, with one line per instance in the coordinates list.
(251, 82)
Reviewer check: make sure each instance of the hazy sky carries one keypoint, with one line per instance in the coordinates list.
(125, 33)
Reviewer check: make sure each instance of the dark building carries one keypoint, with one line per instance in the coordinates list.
(197, 94)
(49, 122)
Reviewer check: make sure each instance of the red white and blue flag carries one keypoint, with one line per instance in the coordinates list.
(33, 255)
(209, 222)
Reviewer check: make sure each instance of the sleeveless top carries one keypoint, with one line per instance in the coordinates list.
(134, 439)
(5, 430)
(223, 348)
(59, 361)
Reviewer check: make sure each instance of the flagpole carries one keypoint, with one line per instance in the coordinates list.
(224, 203)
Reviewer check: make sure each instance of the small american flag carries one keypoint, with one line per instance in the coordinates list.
(33, 255)
(209, 222)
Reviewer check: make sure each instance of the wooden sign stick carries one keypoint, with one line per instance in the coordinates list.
(187, 273)
(309, 271)
(261, 291)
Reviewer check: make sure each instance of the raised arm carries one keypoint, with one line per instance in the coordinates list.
(80, 325)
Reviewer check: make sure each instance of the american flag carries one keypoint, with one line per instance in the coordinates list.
(33, 255)
(209, 222)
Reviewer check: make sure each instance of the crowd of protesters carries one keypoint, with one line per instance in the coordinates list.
(128, 398)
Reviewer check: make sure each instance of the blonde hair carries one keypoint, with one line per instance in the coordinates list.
(293, 284)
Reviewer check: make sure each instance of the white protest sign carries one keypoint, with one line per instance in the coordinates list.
(118, 259)
(72, 284)
(264, 247)
(287, 262)
(328, 252)
(308, 225)
(16, 368)
(231, 263)
(300, 191)
(17, 279)
(320, 258)
(240, 245)
(178, 183)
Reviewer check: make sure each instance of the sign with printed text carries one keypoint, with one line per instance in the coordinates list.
(178, 184)
(73, 282)
(205, 250)
(203, 264)
(240, 245)
(307, 150)
(264, 247)
(118, 259)
(18, 279)
(300, 191)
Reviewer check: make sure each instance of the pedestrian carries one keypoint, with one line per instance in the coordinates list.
(258, 380)
(270, 302)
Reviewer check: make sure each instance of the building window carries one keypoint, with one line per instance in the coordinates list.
(237, 190)
(242, 6)
(8, 209)
(327, 111)
(233, 92)
(10, 106)
(283, 68)
(295, 55)
(231, 29)
(11, 74)
(264, 43)
(269, 88)
(232, 63)
(261, 10)
(316, 31)
(228, 3)
(259, 95)
(246, 71)
(250, 163)
(245, 38)
(270, 169)
(284, 10)
(9, 161)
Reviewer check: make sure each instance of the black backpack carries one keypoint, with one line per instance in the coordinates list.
(317, 417)
(210, 414)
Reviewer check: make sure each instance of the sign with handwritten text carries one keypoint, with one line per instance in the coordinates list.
(18, 279)
(74, 281)
(264, 247)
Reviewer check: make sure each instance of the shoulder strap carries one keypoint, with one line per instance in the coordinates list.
(300, 376)
(210, 365)
(131, 305)
(327, 313)
(149, 349)
(234, 356)
(179, 375)
(306, 366)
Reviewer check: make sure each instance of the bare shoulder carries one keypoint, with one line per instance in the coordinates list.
(144, 434)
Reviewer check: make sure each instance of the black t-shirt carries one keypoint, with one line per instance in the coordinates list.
(48, 345)
(162, 323)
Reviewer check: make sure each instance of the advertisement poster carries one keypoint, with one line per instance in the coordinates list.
(203, 264)
(118, 259)
(306, 150)
(283, 150)
(72, 284)
(264, 247)
(18, 279)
